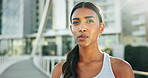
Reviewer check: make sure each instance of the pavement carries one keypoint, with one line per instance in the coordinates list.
(23, 69)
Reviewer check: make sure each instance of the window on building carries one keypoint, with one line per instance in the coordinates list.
(50, 48)
(67, 43)
(49, 19)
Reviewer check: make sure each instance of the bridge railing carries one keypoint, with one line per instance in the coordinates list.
(3, 60)
(47, 63)
(141, 73)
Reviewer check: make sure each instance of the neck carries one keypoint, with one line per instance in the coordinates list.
(90, 53)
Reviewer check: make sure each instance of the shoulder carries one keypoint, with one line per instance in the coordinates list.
(57, 71)
(121, 68)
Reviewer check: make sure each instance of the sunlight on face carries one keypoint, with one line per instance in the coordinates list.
(85, 26)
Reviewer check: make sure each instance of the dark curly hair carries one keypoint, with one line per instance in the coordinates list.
(69, 69)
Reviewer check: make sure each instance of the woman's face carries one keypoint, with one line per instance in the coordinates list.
(85, 26)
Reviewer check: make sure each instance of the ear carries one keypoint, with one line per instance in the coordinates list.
(101, 28)
(71, 29)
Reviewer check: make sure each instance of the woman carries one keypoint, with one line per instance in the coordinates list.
(86, 60)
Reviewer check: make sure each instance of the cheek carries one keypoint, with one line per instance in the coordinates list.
(74, 31)
(95, 32)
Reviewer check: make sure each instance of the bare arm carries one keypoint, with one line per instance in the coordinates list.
(57, 71)
(122, 69)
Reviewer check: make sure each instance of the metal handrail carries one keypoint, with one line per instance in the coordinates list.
(140, 72)
(46, 63)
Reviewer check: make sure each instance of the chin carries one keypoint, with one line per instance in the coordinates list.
(83, 44)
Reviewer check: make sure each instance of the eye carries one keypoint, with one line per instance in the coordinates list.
(75, 22)
(90, 21)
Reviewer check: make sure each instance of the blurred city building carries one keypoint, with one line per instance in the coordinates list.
(134, 22)
(16, 23)
(0, 15)
(59, 31)
(20, 23)
(56, 32)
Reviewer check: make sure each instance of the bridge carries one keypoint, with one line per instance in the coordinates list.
(27, 67)
(34, 66)
(30, 66)
(23, 69)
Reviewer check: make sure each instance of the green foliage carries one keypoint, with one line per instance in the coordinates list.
(108, 50)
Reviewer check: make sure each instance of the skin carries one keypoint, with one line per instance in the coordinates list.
(85, 29)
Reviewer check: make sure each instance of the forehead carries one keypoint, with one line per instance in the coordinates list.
(83, 12)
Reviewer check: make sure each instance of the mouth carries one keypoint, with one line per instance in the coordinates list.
(82, 37)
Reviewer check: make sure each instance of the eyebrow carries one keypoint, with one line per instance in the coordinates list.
(75, 19)
(89, 17)
(84, 17)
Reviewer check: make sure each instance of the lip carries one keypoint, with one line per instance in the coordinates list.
(82, 37)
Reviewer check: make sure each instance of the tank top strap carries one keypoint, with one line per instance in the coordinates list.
(106, 71)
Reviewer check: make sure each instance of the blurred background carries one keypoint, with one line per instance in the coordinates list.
(125, 35)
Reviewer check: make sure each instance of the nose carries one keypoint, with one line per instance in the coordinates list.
(82, 28)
